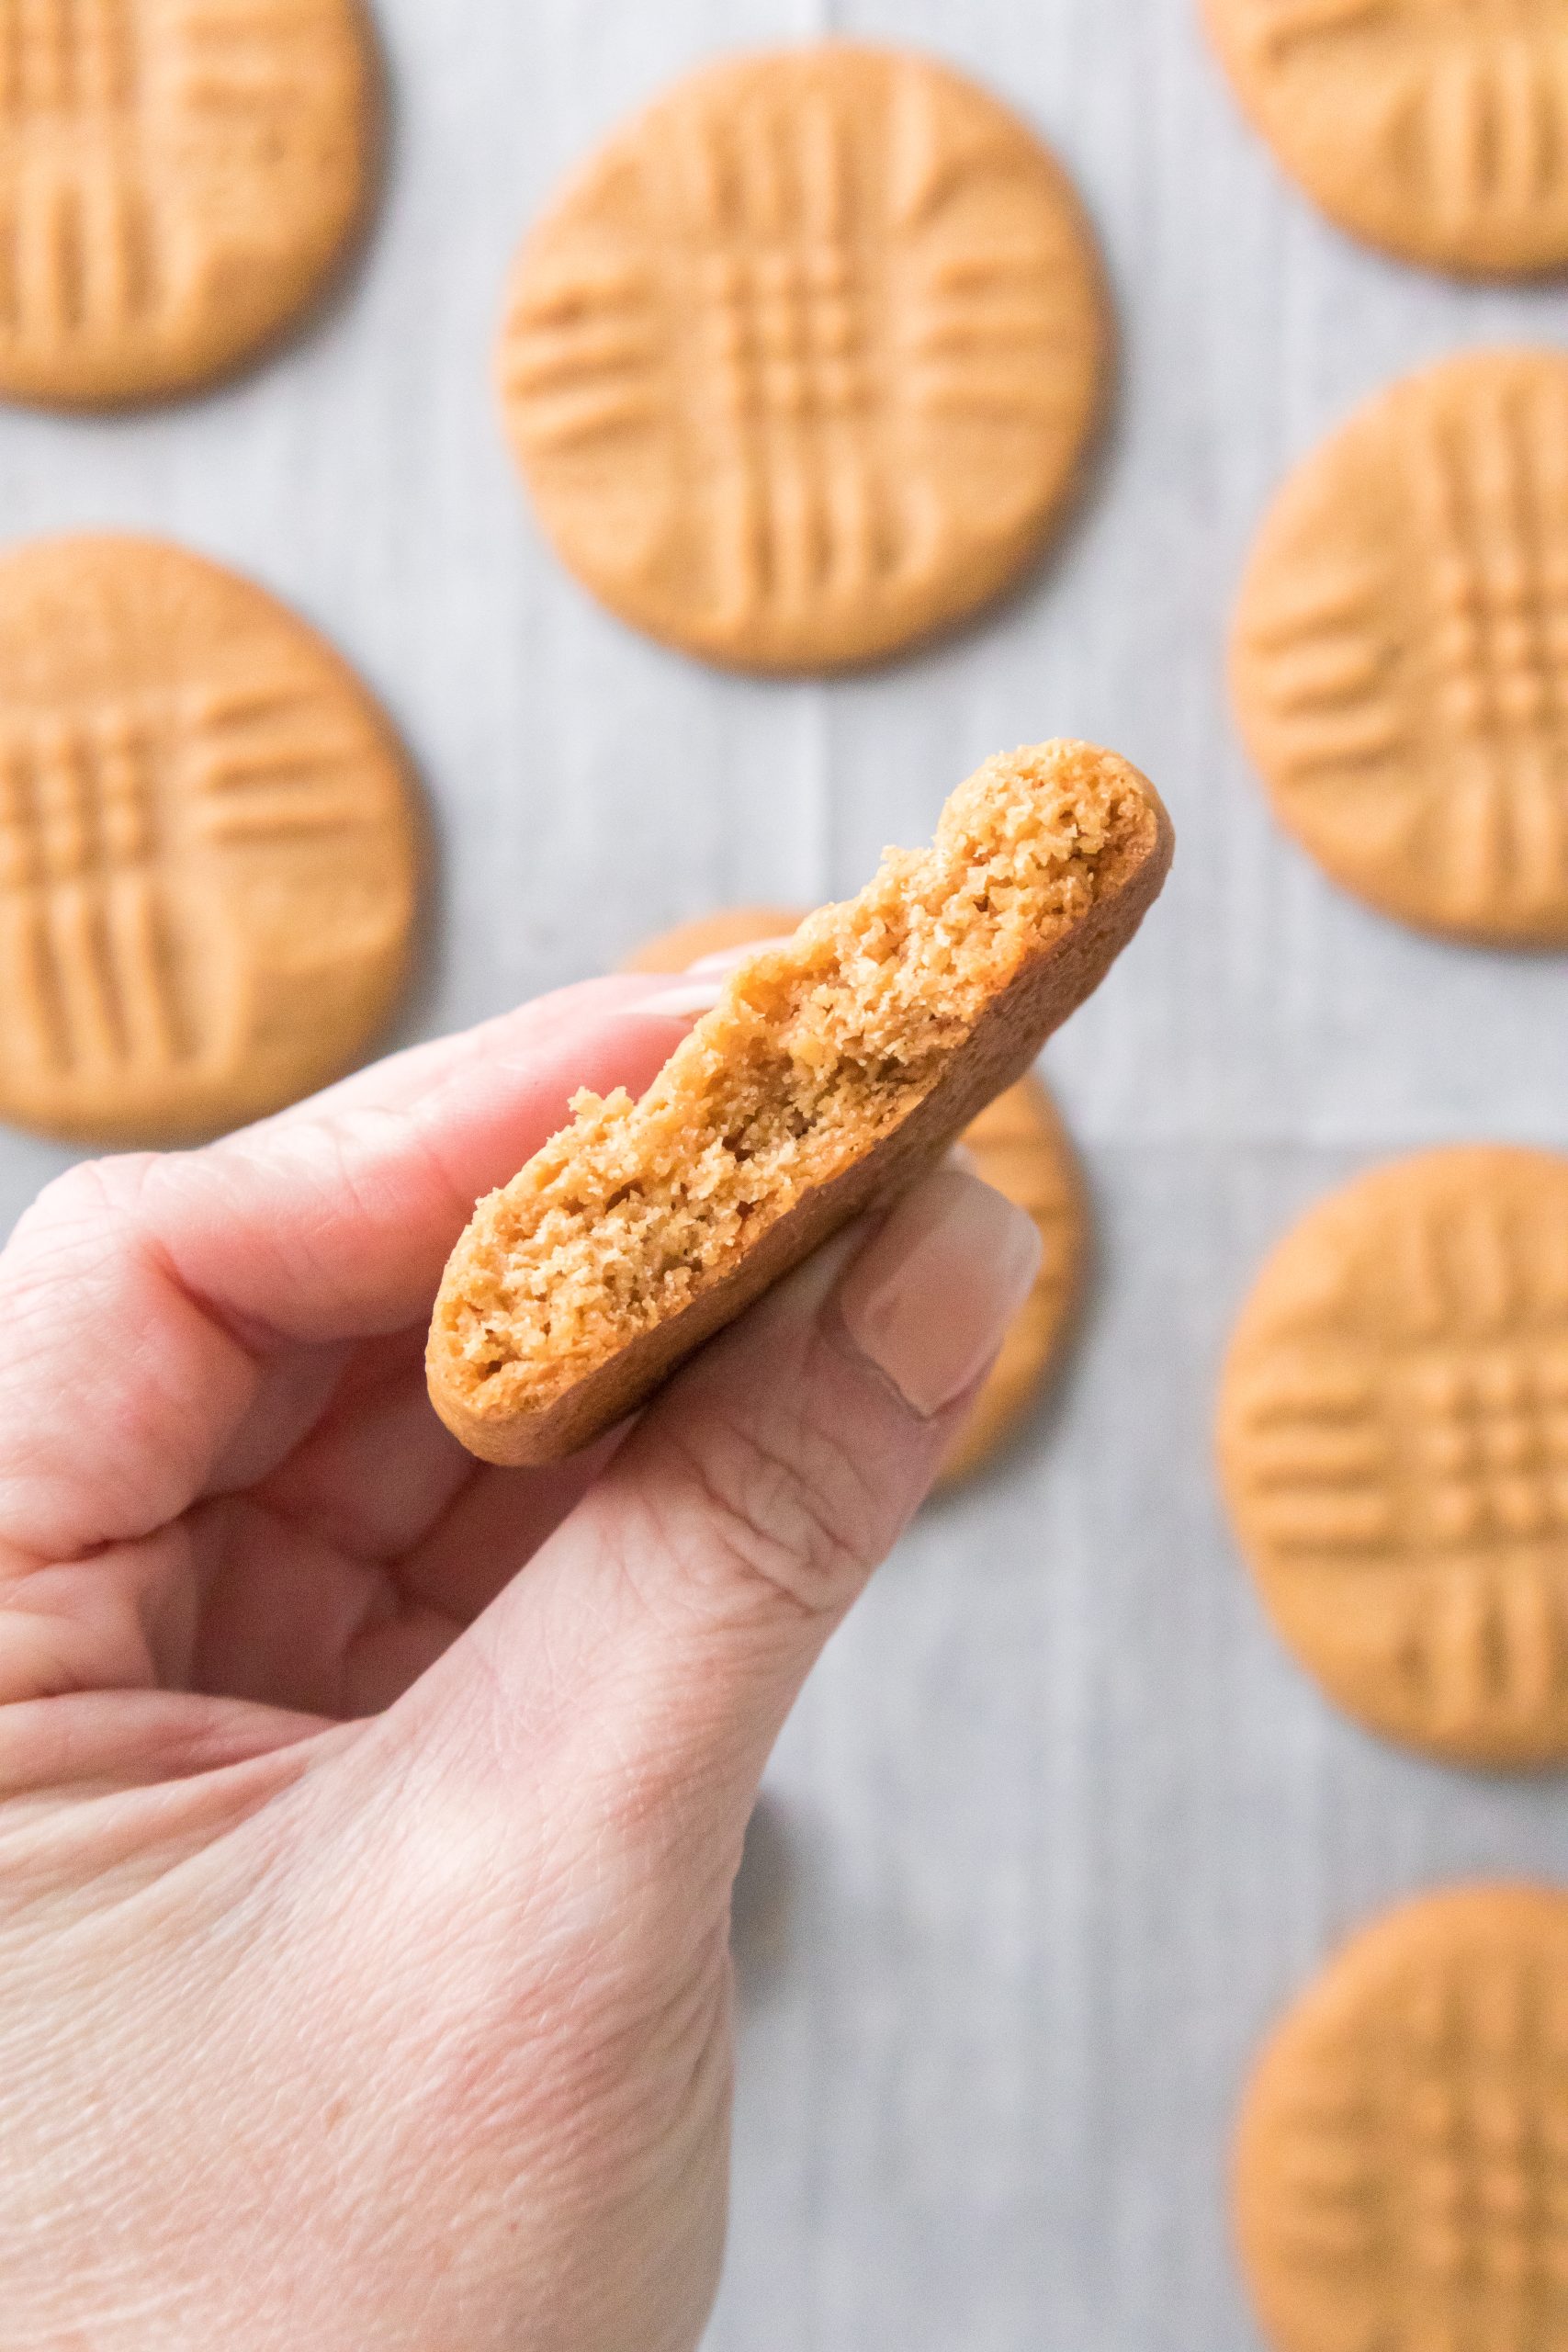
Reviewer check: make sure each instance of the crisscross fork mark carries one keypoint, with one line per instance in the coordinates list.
(1328, 668)
(1283, 26)
(85, 934)
(1469, 2160)
(777, 233)
(244, 65)
(77, 252)
(1489, 126)
(265, 769)
(1489, 493)
(67, 57)
(1428, 2164)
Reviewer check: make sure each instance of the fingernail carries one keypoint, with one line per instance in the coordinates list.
(930, 1297)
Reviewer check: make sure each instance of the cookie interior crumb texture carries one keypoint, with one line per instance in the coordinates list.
(1019, 1146)
(819, 1054)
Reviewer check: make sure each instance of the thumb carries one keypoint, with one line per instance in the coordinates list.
(655, 1645)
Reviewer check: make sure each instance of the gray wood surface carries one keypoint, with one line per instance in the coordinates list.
(1058, 1827)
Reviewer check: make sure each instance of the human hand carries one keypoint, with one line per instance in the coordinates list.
(368, 1817)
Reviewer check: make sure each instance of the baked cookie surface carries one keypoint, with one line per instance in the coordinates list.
(208, 848)
(1019, 1146)
(1393, 1444)
(178, 179)
(1404, 2143)
(1400, 652)
(834, 1070)
(802, 364)
(1437, 129)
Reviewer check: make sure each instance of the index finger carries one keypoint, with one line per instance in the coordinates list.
(145, 1302)
(333, 1220)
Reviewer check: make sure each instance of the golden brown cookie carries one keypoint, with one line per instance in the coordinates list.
(1435, 129)
(1402, 2165)
(1394, 1441)
(1019, 1146)
(1400, 660)
(803, 364)
(208, 848)
(834, 1070)
(178, 180)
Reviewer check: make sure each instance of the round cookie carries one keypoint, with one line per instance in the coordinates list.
(1393, 1446)
(1400, 654)
(1403, 2144)
(1437, 129)
(208, 848)
(178, 179)
(802, 364)
(1019, 1146)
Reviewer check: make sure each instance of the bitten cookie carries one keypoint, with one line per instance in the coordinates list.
(1400, 655)
(833, 1071)
(179, 179)
(803, 363)
(1393, 1442)
(1019, 1146)
(208, 848)
(1435, 129)
(1403, 2144)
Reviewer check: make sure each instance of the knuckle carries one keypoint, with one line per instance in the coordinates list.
(93, 1199)
(790, 1508)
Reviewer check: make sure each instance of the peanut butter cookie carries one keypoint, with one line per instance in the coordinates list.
(833, 1071)
(1435, 129)
(1404, 2145)
(1394, 1441)
(1400, 660)
(178, 179)
(1019, 1146)
(802, 364)
(208, 848)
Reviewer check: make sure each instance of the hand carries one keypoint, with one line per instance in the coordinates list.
(368, 1818)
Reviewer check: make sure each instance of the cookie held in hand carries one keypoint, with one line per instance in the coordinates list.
(833, 1071)
(1020, 1148)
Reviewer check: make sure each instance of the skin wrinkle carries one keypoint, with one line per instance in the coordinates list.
(237, 1533)
(370, 1425)
(790, 1490)
(756, 1517)
(323, 1159)
(153, 1457)
(118, 1740)
(290, 1405)
(128, 1589)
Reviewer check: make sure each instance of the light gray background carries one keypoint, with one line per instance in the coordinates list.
(1058, 1827)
